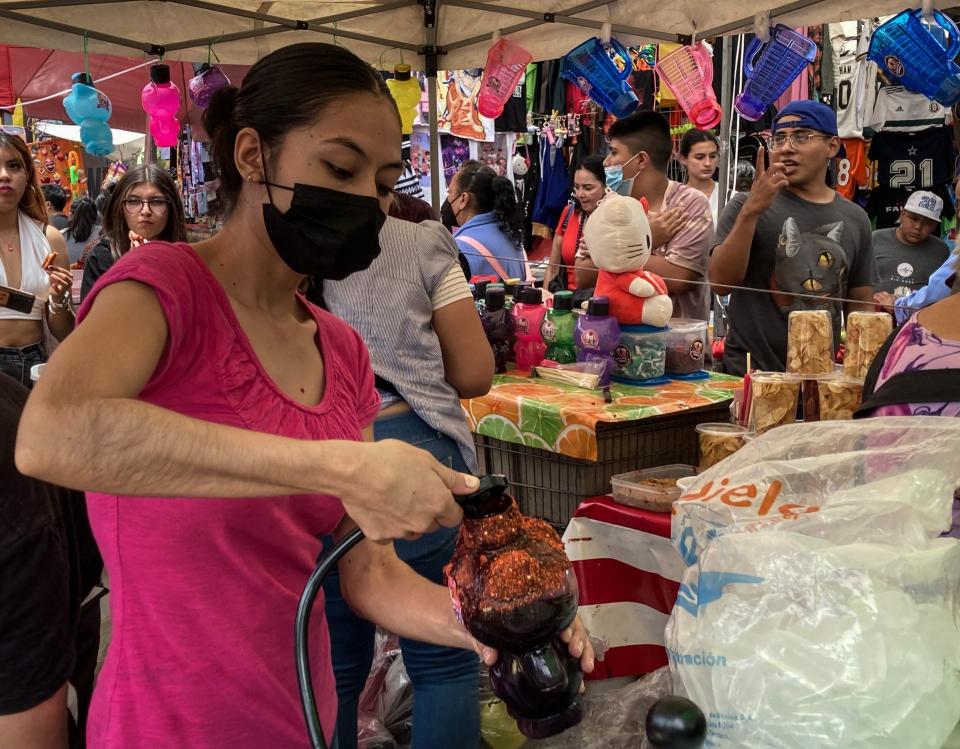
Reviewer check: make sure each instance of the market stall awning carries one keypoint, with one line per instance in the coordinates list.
(41, 79)
(458, 31)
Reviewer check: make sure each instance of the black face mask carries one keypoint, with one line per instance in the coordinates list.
(326, 234)
(447, 217)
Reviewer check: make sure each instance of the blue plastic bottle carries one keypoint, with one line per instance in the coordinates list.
(602, 72)
(781, 60)
(90, 109)
(918, 53)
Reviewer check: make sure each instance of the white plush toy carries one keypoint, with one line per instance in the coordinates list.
(617, 235)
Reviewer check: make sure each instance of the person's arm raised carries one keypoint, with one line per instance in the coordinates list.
(83, 428)
(730, 258)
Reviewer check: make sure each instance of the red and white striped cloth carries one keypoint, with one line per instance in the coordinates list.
(628, 573)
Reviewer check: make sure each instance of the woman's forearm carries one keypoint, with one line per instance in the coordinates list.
(61, 322)
(124, 446)
(383, 589)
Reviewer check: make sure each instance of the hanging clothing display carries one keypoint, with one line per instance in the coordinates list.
(885, 204)
(851, 173)
(899, 110)
(457, 94)
(513, 119)
(554, 188)
(914, 161)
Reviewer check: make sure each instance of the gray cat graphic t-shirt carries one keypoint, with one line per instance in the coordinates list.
(798, 247)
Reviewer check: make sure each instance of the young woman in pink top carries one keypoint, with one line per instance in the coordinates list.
(215, 420)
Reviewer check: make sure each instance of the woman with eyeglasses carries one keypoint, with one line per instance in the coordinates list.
(144, 206)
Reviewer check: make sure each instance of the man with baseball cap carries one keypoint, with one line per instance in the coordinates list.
(908, 254)
(793, 239)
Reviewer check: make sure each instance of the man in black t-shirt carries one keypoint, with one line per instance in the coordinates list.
(48, 565)
(793, 239)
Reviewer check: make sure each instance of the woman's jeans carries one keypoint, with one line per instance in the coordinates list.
(446, 710)
(17, 362)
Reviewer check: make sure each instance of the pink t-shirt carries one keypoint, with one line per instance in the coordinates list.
(204, 591)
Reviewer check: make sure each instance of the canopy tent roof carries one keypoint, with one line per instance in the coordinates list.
(458, 31)
(42, 74)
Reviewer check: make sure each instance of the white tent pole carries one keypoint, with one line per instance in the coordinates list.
(726, 98)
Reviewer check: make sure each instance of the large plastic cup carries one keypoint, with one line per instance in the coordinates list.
(602, 71)
(770, 68)
(688, 73)
(918, 53)
(506, 63)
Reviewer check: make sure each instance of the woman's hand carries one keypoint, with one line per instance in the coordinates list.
(398, 491)
(576, 636)
(61, 282)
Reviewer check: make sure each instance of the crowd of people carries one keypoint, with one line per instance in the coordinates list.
(218, 402)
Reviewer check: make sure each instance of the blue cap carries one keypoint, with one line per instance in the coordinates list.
(811, 114)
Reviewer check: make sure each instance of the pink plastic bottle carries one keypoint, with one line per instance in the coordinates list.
(528, 316)
(506, 63)
(688, 73)
(161, 100)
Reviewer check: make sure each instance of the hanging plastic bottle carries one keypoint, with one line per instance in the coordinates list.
(73, 162)
(90, 109)
(161, 100)
(781, 60)
(688, 73)
(506, 64)
(602, 72)
(918, 54)
(208, 80)
(405, 90)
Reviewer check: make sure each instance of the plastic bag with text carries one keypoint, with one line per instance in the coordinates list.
(819, 608)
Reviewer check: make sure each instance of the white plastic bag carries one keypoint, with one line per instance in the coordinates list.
(820, 610)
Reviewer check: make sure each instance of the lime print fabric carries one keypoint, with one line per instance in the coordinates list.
(563, 419)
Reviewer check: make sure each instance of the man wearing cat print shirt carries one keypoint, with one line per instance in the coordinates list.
(791, 233)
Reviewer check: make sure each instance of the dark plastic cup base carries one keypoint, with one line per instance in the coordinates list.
(542, 728)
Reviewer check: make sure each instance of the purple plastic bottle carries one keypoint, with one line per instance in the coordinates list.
(597, 335)
(498, 325)
(528, 316)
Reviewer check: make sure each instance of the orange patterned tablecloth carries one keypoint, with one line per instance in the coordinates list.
(563, 419)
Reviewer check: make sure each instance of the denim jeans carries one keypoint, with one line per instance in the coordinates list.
(446, 711)
(17, 362)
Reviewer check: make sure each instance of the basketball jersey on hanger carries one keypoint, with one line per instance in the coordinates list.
(845, 101)
(852, 170)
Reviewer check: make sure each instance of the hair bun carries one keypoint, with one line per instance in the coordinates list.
(219, 113)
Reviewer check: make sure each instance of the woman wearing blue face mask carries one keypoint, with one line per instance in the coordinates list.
(216, 420)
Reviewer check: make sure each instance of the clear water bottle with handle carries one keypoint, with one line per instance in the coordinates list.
(770, 68)
(918, 53)
(602, 72)
(688, 73)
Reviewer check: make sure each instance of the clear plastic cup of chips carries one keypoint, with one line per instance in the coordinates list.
(773, 400)
(810, 342)
(810, 395)
(840, 397)
(641, 353)
(866, 334)
(718, 441)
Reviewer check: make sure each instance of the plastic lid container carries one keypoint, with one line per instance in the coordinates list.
(494, 299)
(773, 400)
(686, 343)
(653, 489)
(599, 306)
(810, 342)
(529, 295)
(641, 353)
(839, 397)
(563, 300)
(718, 441)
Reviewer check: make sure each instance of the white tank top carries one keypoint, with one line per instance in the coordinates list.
(34, 248)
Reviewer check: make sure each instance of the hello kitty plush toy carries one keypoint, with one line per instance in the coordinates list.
(617, 236)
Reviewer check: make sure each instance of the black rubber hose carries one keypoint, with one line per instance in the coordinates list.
(302, 632)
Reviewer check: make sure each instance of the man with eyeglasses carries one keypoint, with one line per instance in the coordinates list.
(793, 239)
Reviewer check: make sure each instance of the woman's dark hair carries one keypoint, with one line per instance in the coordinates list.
(692, 137)
(491, 192)
(594, 165)
(104, 197)
(32, 200)
(114, 218)
(284, 91)
(83, 217)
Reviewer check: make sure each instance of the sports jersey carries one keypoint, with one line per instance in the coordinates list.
(844, 100)
(914, 160)
(899, 110)
(852, 170)
(885, 204)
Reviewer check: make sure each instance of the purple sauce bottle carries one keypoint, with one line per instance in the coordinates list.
(597, 335)
(498, 325)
